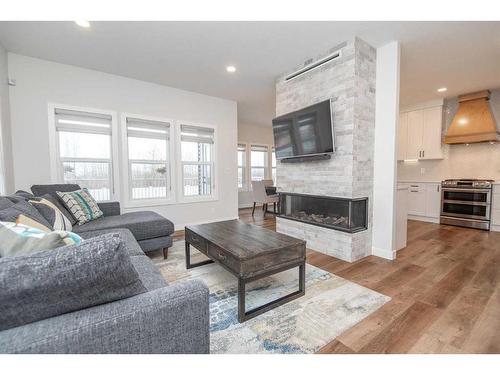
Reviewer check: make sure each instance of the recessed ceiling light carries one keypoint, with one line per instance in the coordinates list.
(85, 24)
(230, 69)
(442, 89)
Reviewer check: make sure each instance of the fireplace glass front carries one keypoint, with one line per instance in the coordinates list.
(348, 215)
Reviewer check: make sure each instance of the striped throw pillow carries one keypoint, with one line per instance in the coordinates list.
(52, 214)
(81, 205)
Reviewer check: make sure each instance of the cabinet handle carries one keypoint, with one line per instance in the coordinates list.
(423, 154)
(221, 256)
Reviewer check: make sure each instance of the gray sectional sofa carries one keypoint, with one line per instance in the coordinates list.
(151, 230)
(164, 319)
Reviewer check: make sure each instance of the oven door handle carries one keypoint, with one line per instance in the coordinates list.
(485, 191)
(467, 203)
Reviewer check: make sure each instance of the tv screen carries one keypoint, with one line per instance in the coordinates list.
(304, 132)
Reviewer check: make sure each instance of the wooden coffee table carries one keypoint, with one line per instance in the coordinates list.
(250, 253)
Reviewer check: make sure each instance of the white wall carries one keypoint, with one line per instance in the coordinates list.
(6, 178)
(253, 134)
(385, 160)
(41, 82)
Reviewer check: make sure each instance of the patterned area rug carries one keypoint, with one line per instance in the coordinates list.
(330, 306)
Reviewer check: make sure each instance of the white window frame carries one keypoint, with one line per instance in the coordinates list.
(248, 163)
(246, 181)
(267, 163)
(56, 172)
(2, 154)
(181, 198)
(273, 149)
(127, 183)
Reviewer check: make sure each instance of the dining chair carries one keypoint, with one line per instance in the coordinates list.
(260, 195)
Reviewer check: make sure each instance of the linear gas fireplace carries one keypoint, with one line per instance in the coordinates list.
(344, 214)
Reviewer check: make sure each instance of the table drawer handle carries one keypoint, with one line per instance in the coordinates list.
(221, 256)
(194, 239)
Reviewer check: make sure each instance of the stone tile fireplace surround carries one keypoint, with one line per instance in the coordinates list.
(349, 82)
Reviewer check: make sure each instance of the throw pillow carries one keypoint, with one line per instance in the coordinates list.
(5, 203)
(52, 214)
(19, 239)
(25, 220)
(24, 194)
(25, 208)
(67, 279)
(56, 201)
(81, 204)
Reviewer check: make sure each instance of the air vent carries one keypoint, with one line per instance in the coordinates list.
(312, 66)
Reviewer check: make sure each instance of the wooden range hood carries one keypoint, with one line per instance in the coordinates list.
(473, 121)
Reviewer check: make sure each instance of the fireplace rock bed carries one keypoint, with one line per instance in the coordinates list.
(322, 219)
(344, 214)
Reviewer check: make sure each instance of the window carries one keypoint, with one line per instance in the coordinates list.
(197, 165)
(84, 151)
(273, 165)
(242, 156)
(148, 145)
(259, 162)
(2, 158)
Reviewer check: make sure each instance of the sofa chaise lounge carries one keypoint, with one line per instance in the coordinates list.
(151, 230)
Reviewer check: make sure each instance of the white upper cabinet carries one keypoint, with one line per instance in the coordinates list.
(402, 135)
(432, 147)
(415, 134)
(420, 134)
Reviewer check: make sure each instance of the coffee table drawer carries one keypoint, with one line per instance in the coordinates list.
(223, 257)
(197, 241)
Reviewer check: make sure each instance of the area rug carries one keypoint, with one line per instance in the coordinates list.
(330, 306)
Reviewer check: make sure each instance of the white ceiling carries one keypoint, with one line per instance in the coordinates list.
(463, 56)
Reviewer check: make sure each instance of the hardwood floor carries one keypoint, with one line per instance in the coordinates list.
(445, 290)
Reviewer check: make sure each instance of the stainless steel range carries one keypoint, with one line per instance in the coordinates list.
(466, 203)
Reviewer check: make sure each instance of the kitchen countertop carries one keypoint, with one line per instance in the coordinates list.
(420, 182)
(431, 182)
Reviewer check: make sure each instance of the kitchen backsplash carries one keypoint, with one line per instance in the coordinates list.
(478, 160)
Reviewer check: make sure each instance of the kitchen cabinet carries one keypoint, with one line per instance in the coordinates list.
(420, 134)
(432, 146)
(433, 200)
(495, 209)
(415, 134)
(416, 199)
(424, 201)
(402, 135)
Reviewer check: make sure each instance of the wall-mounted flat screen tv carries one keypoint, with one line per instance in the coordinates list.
(305, 132)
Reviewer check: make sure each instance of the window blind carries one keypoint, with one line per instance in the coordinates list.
(259, 148)
(147, 129)
(241, 148)
(82, 122)
(198, 134)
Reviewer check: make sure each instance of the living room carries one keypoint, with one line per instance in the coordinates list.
(237, 187)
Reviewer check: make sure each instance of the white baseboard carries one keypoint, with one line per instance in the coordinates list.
(427, 219)
(384, 253)
(495, 228)
(248, 205)
(182, 226)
